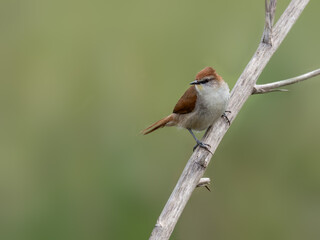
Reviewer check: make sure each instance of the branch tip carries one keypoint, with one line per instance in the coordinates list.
(270, 9)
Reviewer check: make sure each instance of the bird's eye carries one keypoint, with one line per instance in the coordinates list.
(204, 81)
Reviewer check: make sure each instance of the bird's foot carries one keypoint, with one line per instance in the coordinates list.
(224, 115)
(202, 145)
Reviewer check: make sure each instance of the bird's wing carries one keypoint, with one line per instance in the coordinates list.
(187, 102)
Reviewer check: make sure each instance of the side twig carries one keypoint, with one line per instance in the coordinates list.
(271, 87)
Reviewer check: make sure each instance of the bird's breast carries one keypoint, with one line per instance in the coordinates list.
(214, 98)
(211, 104)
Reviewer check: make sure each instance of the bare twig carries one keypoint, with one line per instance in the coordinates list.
(200, 158)
(270, 9)
(271, 87)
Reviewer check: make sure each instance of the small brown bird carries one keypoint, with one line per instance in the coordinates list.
(199, 107)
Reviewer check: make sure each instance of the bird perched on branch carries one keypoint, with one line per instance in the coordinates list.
(199, 107)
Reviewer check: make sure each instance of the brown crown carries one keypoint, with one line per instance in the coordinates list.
(208, 71)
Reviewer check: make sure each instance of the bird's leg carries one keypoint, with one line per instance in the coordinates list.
(224, 115)
(199, 143)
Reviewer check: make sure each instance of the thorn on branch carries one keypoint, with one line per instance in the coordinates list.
(204, 182)
(270, 9)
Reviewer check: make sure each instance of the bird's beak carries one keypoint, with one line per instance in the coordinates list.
(194, 82)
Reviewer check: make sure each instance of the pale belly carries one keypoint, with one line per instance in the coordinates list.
(202, 118)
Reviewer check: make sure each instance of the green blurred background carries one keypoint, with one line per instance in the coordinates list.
(80, 79)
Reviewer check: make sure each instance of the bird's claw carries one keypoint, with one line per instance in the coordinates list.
(202, 145)
(224, 115)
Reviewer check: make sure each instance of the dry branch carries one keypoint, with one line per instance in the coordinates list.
(200, 158)
(271, 87)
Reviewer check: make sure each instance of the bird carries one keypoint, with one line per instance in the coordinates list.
(199, 107)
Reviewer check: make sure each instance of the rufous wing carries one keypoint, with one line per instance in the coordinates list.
(187, 102)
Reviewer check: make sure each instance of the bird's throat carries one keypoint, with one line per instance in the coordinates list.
(199, 87)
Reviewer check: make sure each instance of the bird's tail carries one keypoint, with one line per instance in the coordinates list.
(161, 123)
